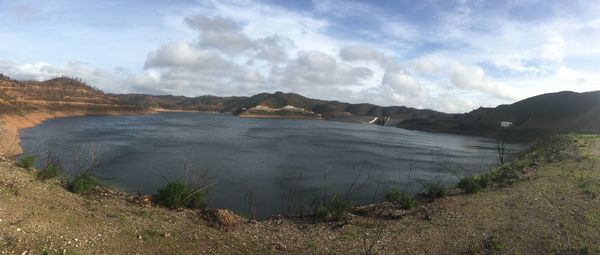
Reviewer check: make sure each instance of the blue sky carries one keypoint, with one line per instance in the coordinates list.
(446, 55)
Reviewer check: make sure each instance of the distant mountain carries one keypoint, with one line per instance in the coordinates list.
(543, 114)
(58, 94)
(554, 112)
(275, 104)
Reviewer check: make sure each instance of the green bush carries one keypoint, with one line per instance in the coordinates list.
(435, 190)
(336, 209)
(485, 180)
(469, 184)
(507, 174)
(83, 183)
(26, 162)
(473, 184)
(400, 198)
(49, 172)
(177, 194)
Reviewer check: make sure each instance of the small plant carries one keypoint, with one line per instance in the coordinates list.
(336, 209)
(149, 234)
(492, 245)
(589, 186)
(48, 172)
(485, 180)
(26, 162)
(400, 198)
(585, 250)
(177, 194)
(83, 183)
(469, 184)
(435, 190)
(507, 174)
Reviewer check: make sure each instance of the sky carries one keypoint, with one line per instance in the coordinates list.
(446, 55)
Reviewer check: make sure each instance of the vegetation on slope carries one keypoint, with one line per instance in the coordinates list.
(532, 117)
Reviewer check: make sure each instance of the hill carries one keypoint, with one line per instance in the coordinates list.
(280, 104)
(554, 112)
(26, 103)
(531, 118)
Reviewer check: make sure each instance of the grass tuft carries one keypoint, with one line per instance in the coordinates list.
(26, 162)
(47, 173)
(83, 184)
(336, 209)
(405, 201)
(435, 190)
(177, 194)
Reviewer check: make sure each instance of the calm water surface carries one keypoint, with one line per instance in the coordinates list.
(262, 165)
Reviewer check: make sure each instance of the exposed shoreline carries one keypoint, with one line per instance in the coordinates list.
(11, 125)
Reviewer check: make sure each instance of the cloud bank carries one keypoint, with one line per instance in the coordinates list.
(450, 56)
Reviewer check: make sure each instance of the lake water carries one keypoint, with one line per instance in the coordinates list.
(261, 166)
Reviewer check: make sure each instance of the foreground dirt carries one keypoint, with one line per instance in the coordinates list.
(548, 211)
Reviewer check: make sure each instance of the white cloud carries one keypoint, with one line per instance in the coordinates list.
(314, 68)
(184, 55)
(403, 89)
(425, 66)
(365, 53)
(457, 59)
(273, 48)
(220, 33)
(473, 78)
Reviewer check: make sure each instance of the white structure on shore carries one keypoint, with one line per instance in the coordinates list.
(506, 124)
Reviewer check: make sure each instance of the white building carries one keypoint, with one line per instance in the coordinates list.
(506, 124)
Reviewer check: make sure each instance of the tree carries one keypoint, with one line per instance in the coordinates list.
(501, 147)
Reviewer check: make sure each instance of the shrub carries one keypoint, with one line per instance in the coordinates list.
(49, 172)
(400, 198)
(393, 196)
(469, 184)
(485, 180)
(26, 162)
(336, 209)
(507, 174)
(435, 190)
(83, 183)
(177, 194)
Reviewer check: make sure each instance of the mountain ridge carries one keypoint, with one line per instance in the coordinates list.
(531, 117)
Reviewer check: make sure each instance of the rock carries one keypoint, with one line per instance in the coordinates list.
(222, 217)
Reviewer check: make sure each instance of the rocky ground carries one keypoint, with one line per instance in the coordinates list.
(553, 207)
